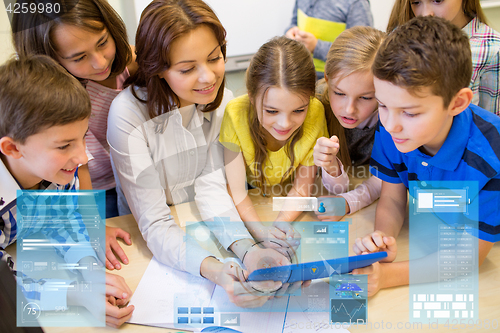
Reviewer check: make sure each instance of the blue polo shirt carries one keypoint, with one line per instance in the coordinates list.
(471, 152)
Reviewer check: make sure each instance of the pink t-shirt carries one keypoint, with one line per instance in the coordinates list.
(101, 97)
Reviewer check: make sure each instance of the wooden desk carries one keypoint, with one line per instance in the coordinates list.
(387, 306)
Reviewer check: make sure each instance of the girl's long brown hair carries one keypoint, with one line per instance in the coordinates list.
(402, 12)
(353, 51)
(32, 33)
(161, 23)
(279, 63)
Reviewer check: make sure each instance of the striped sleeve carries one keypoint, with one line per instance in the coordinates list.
(489, 80)
(67, 229)
(48, 294)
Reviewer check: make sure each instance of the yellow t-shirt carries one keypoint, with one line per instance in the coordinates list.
(235, 135)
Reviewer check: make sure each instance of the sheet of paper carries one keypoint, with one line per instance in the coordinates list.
(266, 319)
(163, 289)
(309, 312)
(159, 286)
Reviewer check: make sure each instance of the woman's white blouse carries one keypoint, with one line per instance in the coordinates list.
(159, 161)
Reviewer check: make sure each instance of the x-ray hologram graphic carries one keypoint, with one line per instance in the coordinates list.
(324, 205)
(443, 251)
(61, 238)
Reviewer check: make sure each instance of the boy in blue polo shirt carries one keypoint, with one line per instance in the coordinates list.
(44, 115)
(428, 131)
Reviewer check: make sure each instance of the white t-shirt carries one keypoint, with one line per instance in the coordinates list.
(159, 161)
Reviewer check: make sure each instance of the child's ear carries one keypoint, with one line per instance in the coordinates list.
(10, 148)
(461, 101)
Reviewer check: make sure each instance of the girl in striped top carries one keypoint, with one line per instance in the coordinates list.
(89, 39)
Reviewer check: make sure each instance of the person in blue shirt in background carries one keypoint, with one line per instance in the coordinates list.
(428, 131)
(350, 12)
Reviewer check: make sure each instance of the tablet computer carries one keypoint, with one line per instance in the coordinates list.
(316, 269)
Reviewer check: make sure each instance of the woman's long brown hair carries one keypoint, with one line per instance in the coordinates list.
(402, 12)
(161, 23)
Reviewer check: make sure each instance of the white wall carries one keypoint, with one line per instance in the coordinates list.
(250, 23)
(248, 26)
(7, 49)
(381, 10)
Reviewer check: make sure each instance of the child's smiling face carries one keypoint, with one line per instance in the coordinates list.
(85, 54)
(414, 120)
(54, 153)
(281, 113)
(352, 98)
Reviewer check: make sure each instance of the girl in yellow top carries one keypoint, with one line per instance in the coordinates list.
(269, 136)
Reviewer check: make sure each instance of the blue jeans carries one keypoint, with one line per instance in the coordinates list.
(111, 203)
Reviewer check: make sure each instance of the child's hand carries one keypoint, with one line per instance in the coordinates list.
(116, 316)
(375, 276)
(112, 245)
(325, 154)
(118, 294)
(118, 288)
(375, 242)
(337, 208)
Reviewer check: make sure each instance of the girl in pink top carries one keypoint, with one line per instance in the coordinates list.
(90, 40)
(349, 94)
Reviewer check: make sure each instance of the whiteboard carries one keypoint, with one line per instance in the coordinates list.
(249, 23)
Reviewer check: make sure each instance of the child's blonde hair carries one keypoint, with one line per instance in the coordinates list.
(281, 63)
(353, 51)
(402, 12)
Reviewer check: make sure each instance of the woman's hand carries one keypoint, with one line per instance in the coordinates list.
(258, 258)
(231, 277)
